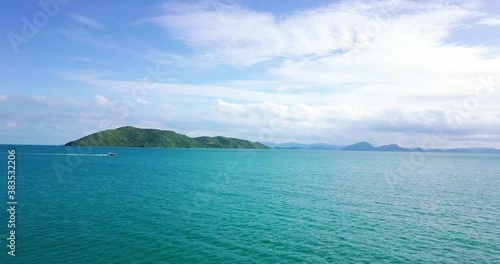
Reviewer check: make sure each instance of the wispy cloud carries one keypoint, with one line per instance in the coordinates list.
(345, 123)
(333, 67)
(86, 21)
(235, 35)
(490, 20)
(45, 102)
(101, 100)
(338, 73)
(82, 59)
(81, 35)
(387, 48)
(166, 58)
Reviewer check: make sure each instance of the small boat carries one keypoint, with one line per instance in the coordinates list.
(111, 154)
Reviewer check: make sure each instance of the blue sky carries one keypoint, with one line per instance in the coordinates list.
(306, 71)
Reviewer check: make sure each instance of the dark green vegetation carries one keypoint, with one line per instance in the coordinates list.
(154, 138)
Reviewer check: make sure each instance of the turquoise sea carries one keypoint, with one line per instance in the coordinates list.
(248, 206)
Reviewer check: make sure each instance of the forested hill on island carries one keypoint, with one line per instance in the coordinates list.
(155, 138)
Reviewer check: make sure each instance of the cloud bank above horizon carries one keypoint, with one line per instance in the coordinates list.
(338, 72)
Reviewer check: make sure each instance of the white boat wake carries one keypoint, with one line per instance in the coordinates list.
(65, 154)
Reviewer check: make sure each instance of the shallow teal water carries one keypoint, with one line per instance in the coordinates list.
(245, 206)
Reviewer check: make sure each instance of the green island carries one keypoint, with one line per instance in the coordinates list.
(154, 138)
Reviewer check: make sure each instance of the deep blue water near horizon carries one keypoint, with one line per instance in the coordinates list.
(251, 206)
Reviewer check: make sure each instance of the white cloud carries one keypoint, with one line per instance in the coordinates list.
(169, 90)
(293, 115)
(238, 36)
(345, 124)
(373, 48)
(142, 101)
(81, 35)
(490, 20)
(42, 99)
(101, 100)
(11, 125)
(3, 98)
(354, 70)
(47, 101)
(166, 58)
(82, 59)
(86, 21)
(385, 53)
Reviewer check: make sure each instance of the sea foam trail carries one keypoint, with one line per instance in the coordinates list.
(65, 154)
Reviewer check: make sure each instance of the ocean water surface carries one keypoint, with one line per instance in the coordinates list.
(252, 206)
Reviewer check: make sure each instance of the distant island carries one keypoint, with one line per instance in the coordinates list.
(365, 146)
(293, 145)
(155, 138)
